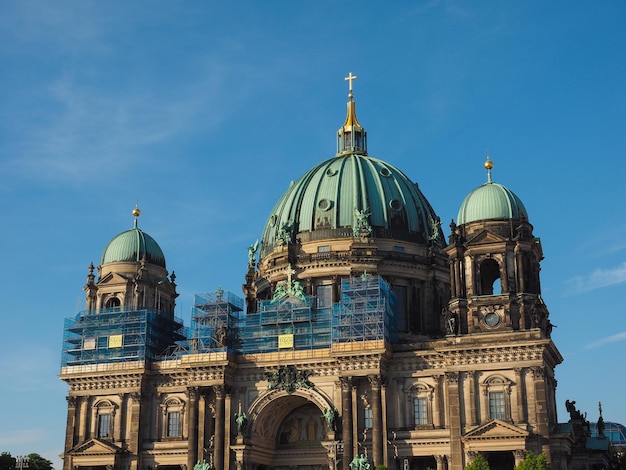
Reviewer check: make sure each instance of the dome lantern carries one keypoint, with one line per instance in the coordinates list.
(351, 137)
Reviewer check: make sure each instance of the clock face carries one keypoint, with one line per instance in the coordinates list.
(492, 319)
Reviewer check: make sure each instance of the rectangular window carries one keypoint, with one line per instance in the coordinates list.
(173, 424)
(324, 296)
(497, 406)
(369, 418)
(398, 249)
(323, 249)
(104, 426)
(420, 411)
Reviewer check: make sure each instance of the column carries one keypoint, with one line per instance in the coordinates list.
(228, 412)
(441, 462)
(70, 428)
(133, 435)
(346, 420)
(218, 449)
(201, 425)
(437, 403)
(453, 278)
(192, 426)
(83, 424)
(383, 398)
(454, 417)
(543, 431)
(120, 419)
(377, 432)
(520, 412)
(471, 378)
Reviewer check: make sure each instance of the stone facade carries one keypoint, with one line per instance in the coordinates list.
(468, 369)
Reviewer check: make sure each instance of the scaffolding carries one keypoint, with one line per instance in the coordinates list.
(365, 312)
(118, 335)
(214, 321)
(285, 324)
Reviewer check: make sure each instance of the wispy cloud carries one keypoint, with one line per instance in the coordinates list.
(21, 437)
(609, 339)
(597, 279)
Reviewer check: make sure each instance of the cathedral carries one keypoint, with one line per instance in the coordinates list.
(364, 338)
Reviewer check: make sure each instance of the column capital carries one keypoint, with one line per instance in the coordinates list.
(346, 382)
(452, 378)
(374, 380)
(538, 372)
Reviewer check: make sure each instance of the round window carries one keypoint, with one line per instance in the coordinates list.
(385, 171)
(492, 319)
(331, 172)
(324, 204)
(395, 205)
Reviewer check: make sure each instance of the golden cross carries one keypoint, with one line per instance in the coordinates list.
(349, 78)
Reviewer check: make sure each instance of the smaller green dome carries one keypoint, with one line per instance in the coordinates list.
(490, 201)
(132, 246)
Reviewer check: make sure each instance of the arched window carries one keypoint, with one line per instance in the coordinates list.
(104, 419)
(113, 302)
(497, 398)
(489, 275)
(173, 410)
(421, 398)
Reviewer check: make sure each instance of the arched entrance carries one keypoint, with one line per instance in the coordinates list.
(501, 460)
(288, 432)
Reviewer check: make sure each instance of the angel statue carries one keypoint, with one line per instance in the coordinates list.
(252, 249)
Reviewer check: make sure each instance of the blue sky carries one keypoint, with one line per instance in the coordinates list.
(205, 111)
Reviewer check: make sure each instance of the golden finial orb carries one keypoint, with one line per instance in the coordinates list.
(136, 212)
(488, 164)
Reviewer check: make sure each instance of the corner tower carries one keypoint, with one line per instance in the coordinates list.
(495, 264)
(109, 350)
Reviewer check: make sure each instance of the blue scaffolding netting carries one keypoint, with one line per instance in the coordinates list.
(219, 323)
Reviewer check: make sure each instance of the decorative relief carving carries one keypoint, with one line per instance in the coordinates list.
(288, 378)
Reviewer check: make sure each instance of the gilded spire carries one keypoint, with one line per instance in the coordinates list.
(351, 138)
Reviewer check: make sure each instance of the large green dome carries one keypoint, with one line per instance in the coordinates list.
(491, 201)
(323, 203)
(132, 246)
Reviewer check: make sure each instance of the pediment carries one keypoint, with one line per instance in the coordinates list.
(485, 237)
(113, 278)
(95, 447)
(496, 429)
